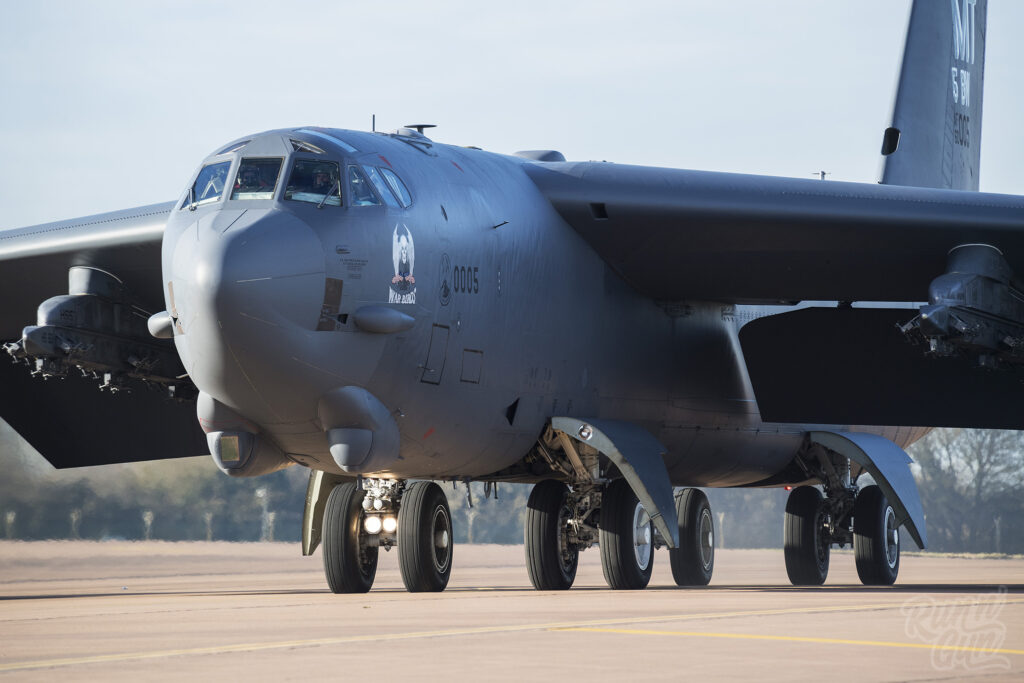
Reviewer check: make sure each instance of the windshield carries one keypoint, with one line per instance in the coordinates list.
(314, 182)
(382, 188)
(401, 191)
(359, 191)
(256, 179)
(209, 184)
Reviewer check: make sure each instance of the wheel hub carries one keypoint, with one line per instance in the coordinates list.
(892, 538)
(707, 545)
(442, 541)
(641, 537)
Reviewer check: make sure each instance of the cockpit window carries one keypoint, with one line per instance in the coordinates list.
(235, 147)
(316, 182)
(300, 146)
(256, 179)
(359, 191)
(396, 184)
(382, 188)
(209, 184)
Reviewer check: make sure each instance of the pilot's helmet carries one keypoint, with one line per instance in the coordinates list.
(249, 175)
(321, 176)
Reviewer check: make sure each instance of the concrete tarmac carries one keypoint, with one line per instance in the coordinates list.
(172, 611)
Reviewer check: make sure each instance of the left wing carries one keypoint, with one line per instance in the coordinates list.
(689, 235)
(677, 234)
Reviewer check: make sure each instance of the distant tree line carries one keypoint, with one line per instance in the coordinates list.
(971, 483)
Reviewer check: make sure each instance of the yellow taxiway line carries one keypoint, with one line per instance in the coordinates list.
(794, 639)
(512, 628)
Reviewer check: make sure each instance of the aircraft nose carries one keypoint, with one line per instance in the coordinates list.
(243, 281)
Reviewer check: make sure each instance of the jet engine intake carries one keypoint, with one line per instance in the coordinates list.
(975, 309)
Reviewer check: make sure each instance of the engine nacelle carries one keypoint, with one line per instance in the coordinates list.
(97, 329)
(975, 309)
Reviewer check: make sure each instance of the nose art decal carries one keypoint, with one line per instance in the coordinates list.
(403, 284)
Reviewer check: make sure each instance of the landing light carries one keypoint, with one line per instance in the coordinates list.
(372, 524)
(390, 524)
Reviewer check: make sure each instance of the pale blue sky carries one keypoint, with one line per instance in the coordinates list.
(108, 105)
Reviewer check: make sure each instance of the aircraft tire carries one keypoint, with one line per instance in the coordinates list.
(551, 565)
(348, 569)
(804, 540)
(627, 551)
(876, 539)
(693, 561)
(425, 538)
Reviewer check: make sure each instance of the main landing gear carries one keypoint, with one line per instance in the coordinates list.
(385, 513)
(617, 495)
(812, 527)
(863, 518)
(561, 521)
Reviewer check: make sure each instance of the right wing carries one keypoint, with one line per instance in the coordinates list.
(34, 261)
(69, 421)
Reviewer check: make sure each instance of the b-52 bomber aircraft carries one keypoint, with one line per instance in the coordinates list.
(390, 312)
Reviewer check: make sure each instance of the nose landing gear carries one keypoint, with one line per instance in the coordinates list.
(357, 522)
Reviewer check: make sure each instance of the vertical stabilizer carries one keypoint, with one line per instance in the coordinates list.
(935, 136)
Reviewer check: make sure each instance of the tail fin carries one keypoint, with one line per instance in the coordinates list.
(935, 137)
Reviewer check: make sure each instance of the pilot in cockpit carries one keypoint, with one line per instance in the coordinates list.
(322, 181)
(250, 179)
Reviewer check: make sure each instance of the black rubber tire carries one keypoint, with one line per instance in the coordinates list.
(622, 570)
(424, 556)
(693, 561)
(806, 545)
(543, 534)
(343, 523)
(874, 526)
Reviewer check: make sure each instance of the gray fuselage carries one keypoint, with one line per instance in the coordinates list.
(516, 318)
